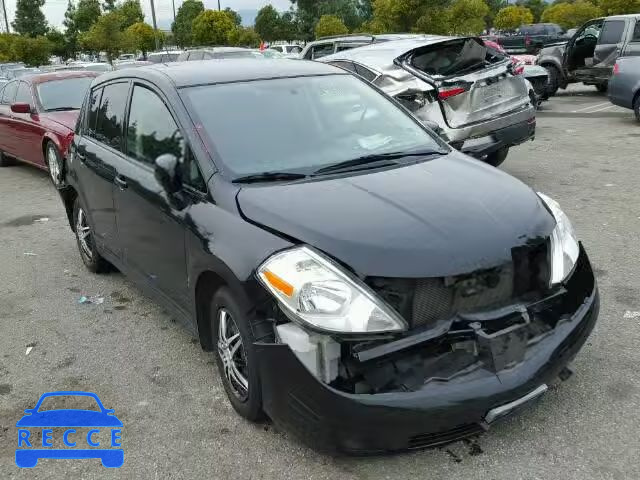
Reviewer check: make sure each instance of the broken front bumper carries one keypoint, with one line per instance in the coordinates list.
(439, 411)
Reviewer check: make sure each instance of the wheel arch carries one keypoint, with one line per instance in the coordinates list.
(68, 196)
(50, 138)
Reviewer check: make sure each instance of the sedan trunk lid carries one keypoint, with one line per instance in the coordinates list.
(473, 85)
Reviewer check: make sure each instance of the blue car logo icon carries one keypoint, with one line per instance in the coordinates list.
(73, 421)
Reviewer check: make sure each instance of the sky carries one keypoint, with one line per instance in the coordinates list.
(54, 9)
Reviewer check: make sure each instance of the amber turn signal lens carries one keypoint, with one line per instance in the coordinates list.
(279, 284)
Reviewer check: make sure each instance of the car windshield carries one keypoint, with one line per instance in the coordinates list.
(67, 94)
(301, 124)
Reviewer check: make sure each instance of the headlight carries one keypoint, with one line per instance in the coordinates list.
(564, 244)
(321, 294)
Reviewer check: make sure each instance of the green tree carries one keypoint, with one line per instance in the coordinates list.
(494, 7)
(404, 15)
(131, 13)
(569, 15)
(244, 37)
(466, 17)
(58, 42)
(212, 27)
(511, 17)
(287, 28)
(436, 21)
(29, 19)
(70, 30)
(32, 51)
(268, 23)
(106, 35)
(87, 13)
(619, 7)
(109, 5)
(6, 47)
(308, 13)
(182, 27)
(536, 7)
(237, 19)
(330, 25)
(141, 36)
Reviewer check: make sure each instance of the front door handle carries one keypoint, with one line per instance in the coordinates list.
(121, 182)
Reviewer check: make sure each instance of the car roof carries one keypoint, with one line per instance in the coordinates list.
(382, 54)
(37, 78)
(216, 49)
(621, 17)
(203, 72)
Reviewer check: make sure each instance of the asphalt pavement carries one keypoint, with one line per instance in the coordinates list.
(165, 389)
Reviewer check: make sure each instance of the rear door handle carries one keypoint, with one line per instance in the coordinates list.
(121, 182)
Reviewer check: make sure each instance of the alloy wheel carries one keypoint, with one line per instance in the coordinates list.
(54, 166)
(232, 354)
(83, 231)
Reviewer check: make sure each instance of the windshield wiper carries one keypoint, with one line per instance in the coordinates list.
(376, 160)
(61, 109)
(269, 177)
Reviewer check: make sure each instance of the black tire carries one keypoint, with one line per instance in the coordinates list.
(56, 173)
(636, 106)
(4, 161)
(602, 87)
(251, 329)
(496, 158)
(554, 80)
(86, 245)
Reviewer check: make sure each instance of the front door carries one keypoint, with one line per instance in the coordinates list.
(609, 48)
(8, 143)
(150, 223)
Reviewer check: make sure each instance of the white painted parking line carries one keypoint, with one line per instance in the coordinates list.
(603, 108)
(590, 107)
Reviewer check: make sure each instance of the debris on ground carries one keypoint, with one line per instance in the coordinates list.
(30, 347)
(41, 220)
(30, 254)
(630, 314)
(95, 300)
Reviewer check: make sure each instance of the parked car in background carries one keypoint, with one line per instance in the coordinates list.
(20, 71)
(126, 57)
(215, 52)
(37, 117)
(131, 64)
(624, 85)
(287, 49)
(4, 67)
(531, 38)
(164, 56)
(469, 92)
(366, 286)
(589, 55)
(330, 45)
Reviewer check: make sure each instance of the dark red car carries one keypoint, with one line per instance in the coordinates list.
(37, 116)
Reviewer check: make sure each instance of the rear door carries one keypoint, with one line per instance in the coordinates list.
(632, 48)
(609, 47)
(97, 153)
(472, 85)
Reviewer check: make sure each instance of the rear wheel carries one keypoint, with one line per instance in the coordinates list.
(554, 79)
(4, 161)
(85, 239)
(55, 165)
(233, 332)
(636, 106)
(496, 158)
(602, 87)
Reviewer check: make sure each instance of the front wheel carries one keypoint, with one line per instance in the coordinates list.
(55, 164)
(85, 239)
(233, 332)
(496, 158)
(554, 80)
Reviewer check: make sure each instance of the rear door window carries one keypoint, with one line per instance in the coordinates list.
(612, 32)
(322, 50)
(9, 93)
(109, 122)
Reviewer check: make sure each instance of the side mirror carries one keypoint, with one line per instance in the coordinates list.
(166, 173)
(20, 108)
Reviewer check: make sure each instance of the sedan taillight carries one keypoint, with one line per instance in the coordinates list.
(616, 68)
(448, 92)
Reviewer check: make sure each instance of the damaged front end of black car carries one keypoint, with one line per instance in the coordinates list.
(367, 364)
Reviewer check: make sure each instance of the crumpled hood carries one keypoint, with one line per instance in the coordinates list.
(67, 118)
(442, 217)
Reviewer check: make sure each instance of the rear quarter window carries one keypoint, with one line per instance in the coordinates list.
(636, 32)
(612, 32)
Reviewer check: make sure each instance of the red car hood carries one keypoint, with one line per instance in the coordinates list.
(67, 118)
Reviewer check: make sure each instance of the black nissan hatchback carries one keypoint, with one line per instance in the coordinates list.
(359, 281)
